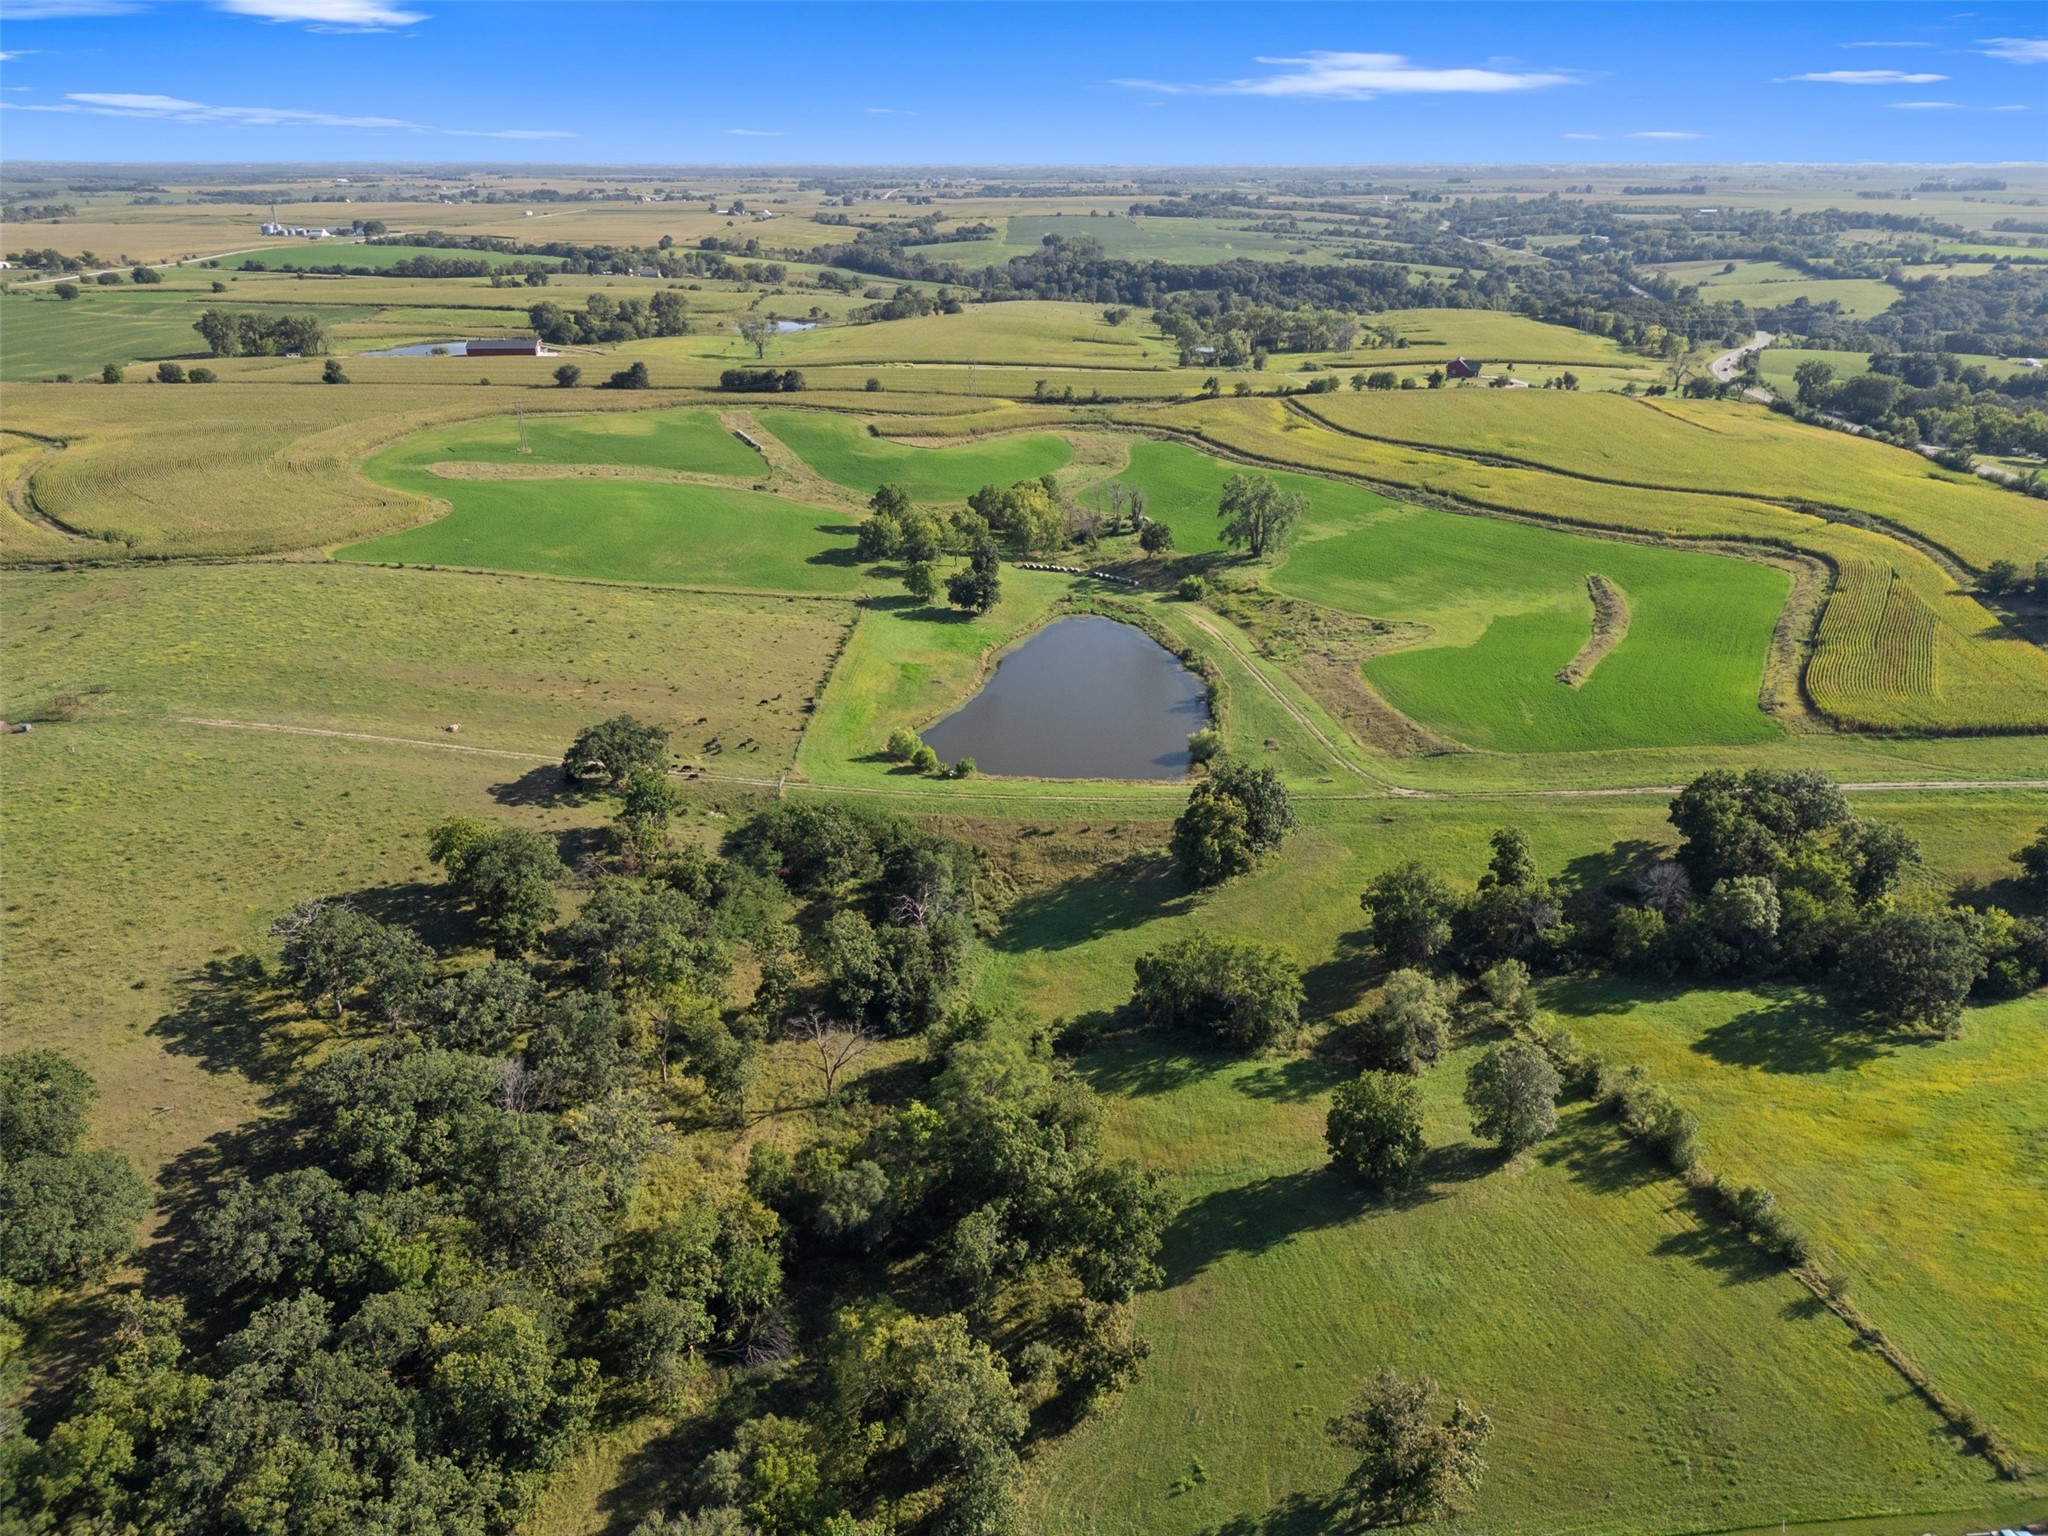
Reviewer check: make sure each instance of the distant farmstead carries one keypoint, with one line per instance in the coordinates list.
(1459, 368)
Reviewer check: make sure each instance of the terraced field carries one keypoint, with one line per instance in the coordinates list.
(840, 449)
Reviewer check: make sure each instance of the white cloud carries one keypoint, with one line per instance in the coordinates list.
(1887, 45)
(755, 133)
(1923, 106)
(507, 133)
(327, 15)
(2018, 50)
(1666, 133)
(176, 109)
(1866, 77)
(1328, 76)
(2015, 107)
(1588, 136)
(890, 112)
(63, 10)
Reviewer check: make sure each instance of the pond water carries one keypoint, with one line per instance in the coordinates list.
(1084, 698)
(424, 349)
(784, 327)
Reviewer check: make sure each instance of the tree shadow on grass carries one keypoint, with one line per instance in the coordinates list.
(1593, 1151)
(1299, 1514)
(542, 785)
(1339, 983)
(427, 907)
(1613, 866)
(233, 1017)
(1140, 1065)
(1721, 1247)
(1793, 1033)
(1134, 889)
(1293, 1081)
(1252, 1219)
(842, 557)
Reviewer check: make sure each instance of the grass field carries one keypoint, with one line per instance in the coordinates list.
(618, 530)
(141, 854)
(1028, 334)
(1723, 1395)
(1838, 1124)
(43, 336)
(350, 253)
(1766, 284)
(1950, 666)
(1508, 607)
(838, 448)
(1125, 238)
(685, 439)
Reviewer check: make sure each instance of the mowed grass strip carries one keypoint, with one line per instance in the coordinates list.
(1917, 1169)
(1508, 606)
(841, 449)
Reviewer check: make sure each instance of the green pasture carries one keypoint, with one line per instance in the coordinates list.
(689, 439)
(336, 253)
(1123, 238)
(1508, 606)
(1024, 333)
(1916, 1167)
(41, 335)
(1616, 1340)
(1768, 284)
(623, 530)
(841, 449)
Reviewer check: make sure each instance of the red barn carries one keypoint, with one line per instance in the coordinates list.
(1458, 368)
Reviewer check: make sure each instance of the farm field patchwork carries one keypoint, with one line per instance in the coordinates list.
(684, 439)
(1509, 608)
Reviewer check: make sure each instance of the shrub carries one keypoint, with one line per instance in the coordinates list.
(1408, 913)
(634, 377)
(966, 768)
(1192, 589)
(1374, 1129)
(761, 381)
(170, 373)
(1506, 989)
(873, 386)
(568, 376)
(1246, 996)
(903, 744)
(111, 374)
(1156, 538)
(924, 759)
(201, 376)
(331, 373)
(1203, 745)
(1652, 1117)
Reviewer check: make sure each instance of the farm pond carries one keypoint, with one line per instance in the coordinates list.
(1084, 698)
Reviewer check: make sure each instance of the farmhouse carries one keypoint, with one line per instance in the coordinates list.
(1458, 368)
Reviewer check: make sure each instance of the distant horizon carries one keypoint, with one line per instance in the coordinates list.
(873, 82)
(1014, 169)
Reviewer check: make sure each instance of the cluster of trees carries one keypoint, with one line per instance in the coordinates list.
(69, 1213)
(228, 334)
(604, 318)
(443, 1262)
(1932, 398)
(1236, 815)
(1026, 516)
(761, 381)
(1232, 333)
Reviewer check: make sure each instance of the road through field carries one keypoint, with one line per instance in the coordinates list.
(1866, 786)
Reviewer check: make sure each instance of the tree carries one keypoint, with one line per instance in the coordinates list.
(66, 291)
(979, 587)
(834, 1044)
(44, 1096)
(1210, 841)
(903, 744)
(1512, 1092)
(67, 1216)
(1879, 854)
(1408, 1028)
(608, 753)
(507, 874)
(330, 950)
(1915, 967)
(889, 500)
(111, 373)
(1374, 1129)
(1513, 861)
(2001, 577)
(1256, 513)
(1155, 537)
(1269, 810)
(921, 580)
(568, 376)
(1811, 381)
(1244, 995)
(170, 373)
(634, 377)
(757, 331)
(1412, 1465)
(1408, 910)
(1114, 1220)
(2033, 863)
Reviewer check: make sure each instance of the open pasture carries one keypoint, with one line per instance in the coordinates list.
(684, 439)
(1915, 1168)
(1122, 237)
(378, 258)
(1036, 333)
(617, 530)
(42, 336)
(1768, 284)
(840, 449)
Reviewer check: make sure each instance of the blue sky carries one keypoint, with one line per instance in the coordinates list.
(985, 83)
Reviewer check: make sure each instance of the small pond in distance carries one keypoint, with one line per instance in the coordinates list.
(1084, 698)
